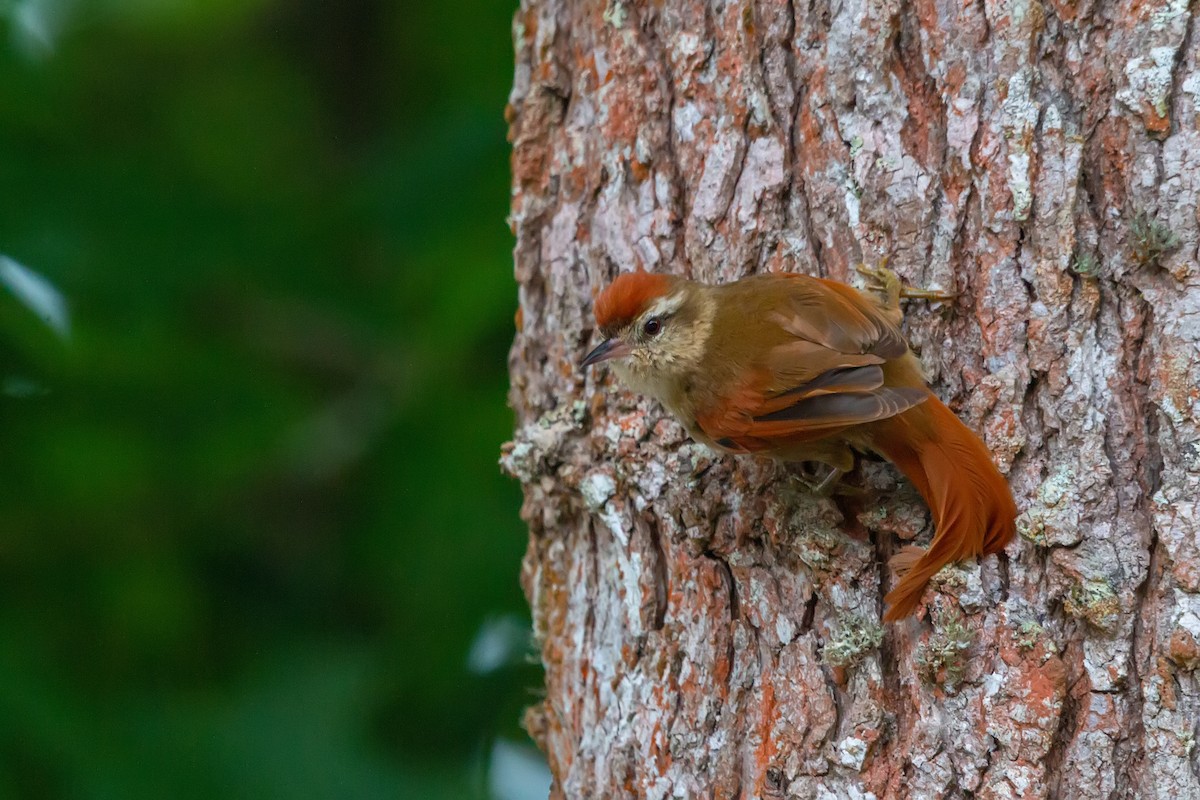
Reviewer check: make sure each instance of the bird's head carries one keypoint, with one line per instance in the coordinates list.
(654, 326)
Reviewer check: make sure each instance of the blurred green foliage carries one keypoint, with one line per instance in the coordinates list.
(251, 514)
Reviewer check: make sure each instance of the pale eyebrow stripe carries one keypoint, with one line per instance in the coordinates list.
(667, 305)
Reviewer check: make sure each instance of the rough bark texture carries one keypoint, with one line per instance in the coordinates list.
(709, 628)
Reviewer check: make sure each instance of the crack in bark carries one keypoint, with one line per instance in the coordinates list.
(661, 577)
(1064, 733)
(730, 583)
(1132, 743)
(810, 611)
(906, 39)
(1144, 622)
(1185, 47)
(656, 46)
(795, 188)
(889, 656)
(1143, 640)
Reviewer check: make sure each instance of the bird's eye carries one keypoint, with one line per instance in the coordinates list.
(652, 326)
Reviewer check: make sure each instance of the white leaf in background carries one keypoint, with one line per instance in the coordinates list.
(38, 294)
(517, 772)
(35, 26)
(500, 641)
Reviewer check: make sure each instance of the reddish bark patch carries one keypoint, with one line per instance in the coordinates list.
(923, 132)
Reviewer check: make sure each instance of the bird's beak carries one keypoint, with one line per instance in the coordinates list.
(612, 348)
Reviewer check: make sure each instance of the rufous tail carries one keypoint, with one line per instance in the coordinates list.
(972, 506)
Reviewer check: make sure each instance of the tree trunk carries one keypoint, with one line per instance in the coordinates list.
(711, 629)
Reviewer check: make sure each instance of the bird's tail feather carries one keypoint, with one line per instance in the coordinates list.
(972, 506)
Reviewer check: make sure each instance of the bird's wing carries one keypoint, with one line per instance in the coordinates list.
(824, 376)
(840, 318)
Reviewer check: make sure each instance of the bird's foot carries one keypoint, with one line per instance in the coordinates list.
(883, 280)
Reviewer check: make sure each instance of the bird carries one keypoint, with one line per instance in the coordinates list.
(801, 368)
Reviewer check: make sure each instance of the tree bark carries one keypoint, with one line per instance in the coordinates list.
(711, 629)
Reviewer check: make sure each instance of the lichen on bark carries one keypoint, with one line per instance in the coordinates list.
(686, 604)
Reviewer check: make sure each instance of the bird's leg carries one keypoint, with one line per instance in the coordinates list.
(840, 461)
(831, 485)
(826, 485)
(883, 280)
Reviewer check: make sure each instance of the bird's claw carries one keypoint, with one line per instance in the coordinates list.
(828, 485)
(883, 280)
(933, 295)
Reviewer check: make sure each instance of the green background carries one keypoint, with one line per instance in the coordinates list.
(251, 519)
